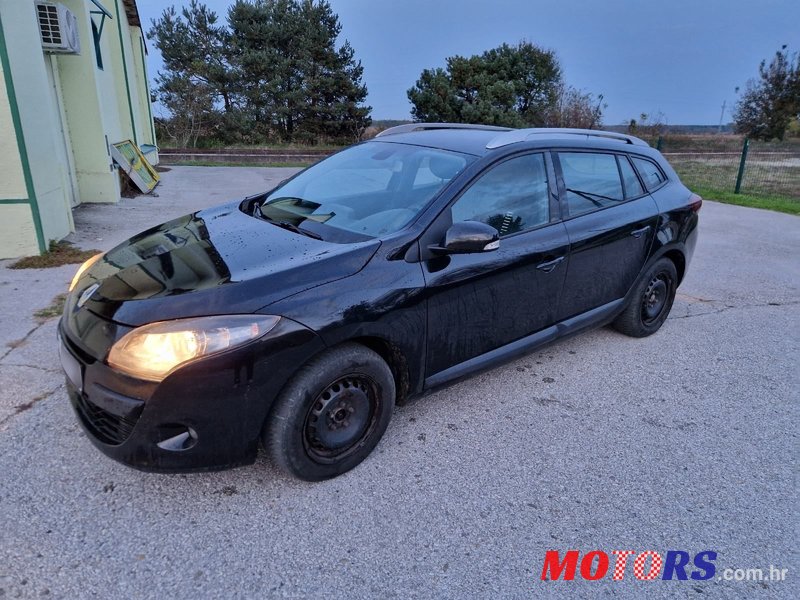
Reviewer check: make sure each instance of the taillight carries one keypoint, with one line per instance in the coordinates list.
(695, 203)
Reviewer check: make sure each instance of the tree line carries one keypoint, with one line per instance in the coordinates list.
(275, 71)
(272, 72)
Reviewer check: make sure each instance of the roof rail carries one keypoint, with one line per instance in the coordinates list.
(410, 127)
(521, 135)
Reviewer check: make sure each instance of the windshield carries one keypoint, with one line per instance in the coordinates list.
(371, 189)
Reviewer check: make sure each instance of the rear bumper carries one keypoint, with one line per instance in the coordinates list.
(206, 416)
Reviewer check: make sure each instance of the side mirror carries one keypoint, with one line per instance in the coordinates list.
(468, 237)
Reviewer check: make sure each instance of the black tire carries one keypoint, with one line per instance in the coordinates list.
(331, 414)
(651, 301)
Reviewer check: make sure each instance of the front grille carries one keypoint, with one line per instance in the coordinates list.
(105, 426)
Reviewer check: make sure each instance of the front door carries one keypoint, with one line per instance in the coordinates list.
(479, 302)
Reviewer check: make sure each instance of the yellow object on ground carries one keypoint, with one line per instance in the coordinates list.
(128, 156)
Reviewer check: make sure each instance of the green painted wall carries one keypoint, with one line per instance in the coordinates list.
(12, 178)
(21, 230)
(58, 115)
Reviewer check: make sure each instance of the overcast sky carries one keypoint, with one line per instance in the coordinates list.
(681, 57)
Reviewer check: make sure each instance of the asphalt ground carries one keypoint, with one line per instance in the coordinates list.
(686, 440)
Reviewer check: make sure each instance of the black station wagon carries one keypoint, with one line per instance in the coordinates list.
(299, 317)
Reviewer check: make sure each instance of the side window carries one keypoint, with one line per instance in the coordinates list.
(511, 196)
(633, 186)
(650, 172)
(592, 181)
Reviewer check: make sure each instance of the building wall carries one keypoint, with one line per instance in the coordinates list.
(12, 178)
(68, 111)
(89, 97)
(147, 132)
(22, 77)
(17, 229)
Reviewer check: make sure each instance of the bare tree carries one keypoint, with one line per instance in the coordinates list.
(575, 108)
(648, 125)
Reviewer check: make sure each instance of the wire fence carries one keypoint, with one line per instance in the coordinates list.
(772, 173)
(754, 168)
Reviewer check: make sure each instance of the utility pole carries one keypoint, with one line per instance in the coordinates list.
(721, 116)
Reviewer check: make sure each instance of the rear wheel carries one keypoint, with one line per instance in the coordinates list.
(332, 413)
(651, 302)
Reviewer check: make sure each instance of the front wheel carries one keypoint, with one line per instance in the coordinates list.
(331, 414)
(651, 301)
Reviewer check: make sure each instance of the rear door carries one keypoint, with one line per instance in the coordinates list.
(610, 221)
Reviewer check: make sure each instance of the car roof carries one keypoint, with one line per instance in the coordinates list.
(467, 141)
(480, 140)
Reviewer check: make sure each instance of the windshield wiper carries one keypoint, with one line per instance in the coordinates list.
(588, 196)
(295, 229)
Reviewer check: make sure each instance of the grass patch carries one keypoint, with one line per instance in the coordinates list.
(782, 204)
(60, 253)
(54, 310)
(215, 163)
(766, 175)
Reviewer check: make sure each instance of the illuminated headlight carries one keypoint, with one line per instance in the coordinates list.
(82, 269)
(152, 351)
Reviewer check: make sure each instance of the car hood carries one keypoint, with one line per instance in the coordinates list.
(216, 261)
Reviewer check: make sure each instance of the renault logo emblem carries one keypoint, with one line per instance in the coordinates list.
(87, 293)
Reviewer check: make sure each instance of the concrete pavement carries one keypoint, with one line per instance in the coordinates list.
(686, 440)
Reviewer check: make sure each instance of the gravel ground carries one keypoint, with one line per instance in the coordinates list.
(686, 440)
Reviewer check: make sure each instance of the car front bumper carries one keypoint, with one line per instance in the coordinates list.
(207, 415)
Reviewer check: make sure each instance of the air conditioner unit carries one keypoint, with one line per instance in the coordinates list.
(58, 28)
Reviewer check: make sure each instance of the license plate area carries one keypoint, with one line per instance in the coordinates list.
(72, 368)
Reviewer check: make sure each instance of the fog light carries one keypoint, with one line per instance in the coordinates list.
(182, 438)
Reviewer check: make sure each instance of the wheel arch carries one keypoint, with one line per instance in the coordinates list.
(679, 259)
(673, 252)
(395, 358)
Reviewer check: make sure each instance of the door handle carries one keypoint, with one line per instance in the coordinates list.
(550, 264)
(637, 233)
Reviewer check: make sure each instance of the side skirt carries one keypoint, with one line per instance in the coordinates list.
(593, 318)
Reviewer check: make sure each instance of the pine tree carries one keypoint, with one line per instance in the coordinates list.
(515, 86)
(276, 71)
(297, 83)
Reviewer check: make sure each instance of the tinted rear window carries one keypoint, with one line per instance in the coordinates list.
(592, 181)
(651, 173)
(633, 187)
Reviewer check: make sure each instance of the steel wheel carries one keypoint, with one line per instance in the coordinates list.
(342, 416)
(655, 298)
(650, 301)
(331, 414)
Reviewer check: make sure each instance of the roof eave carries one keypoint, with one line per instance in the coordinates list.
(132, 13)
